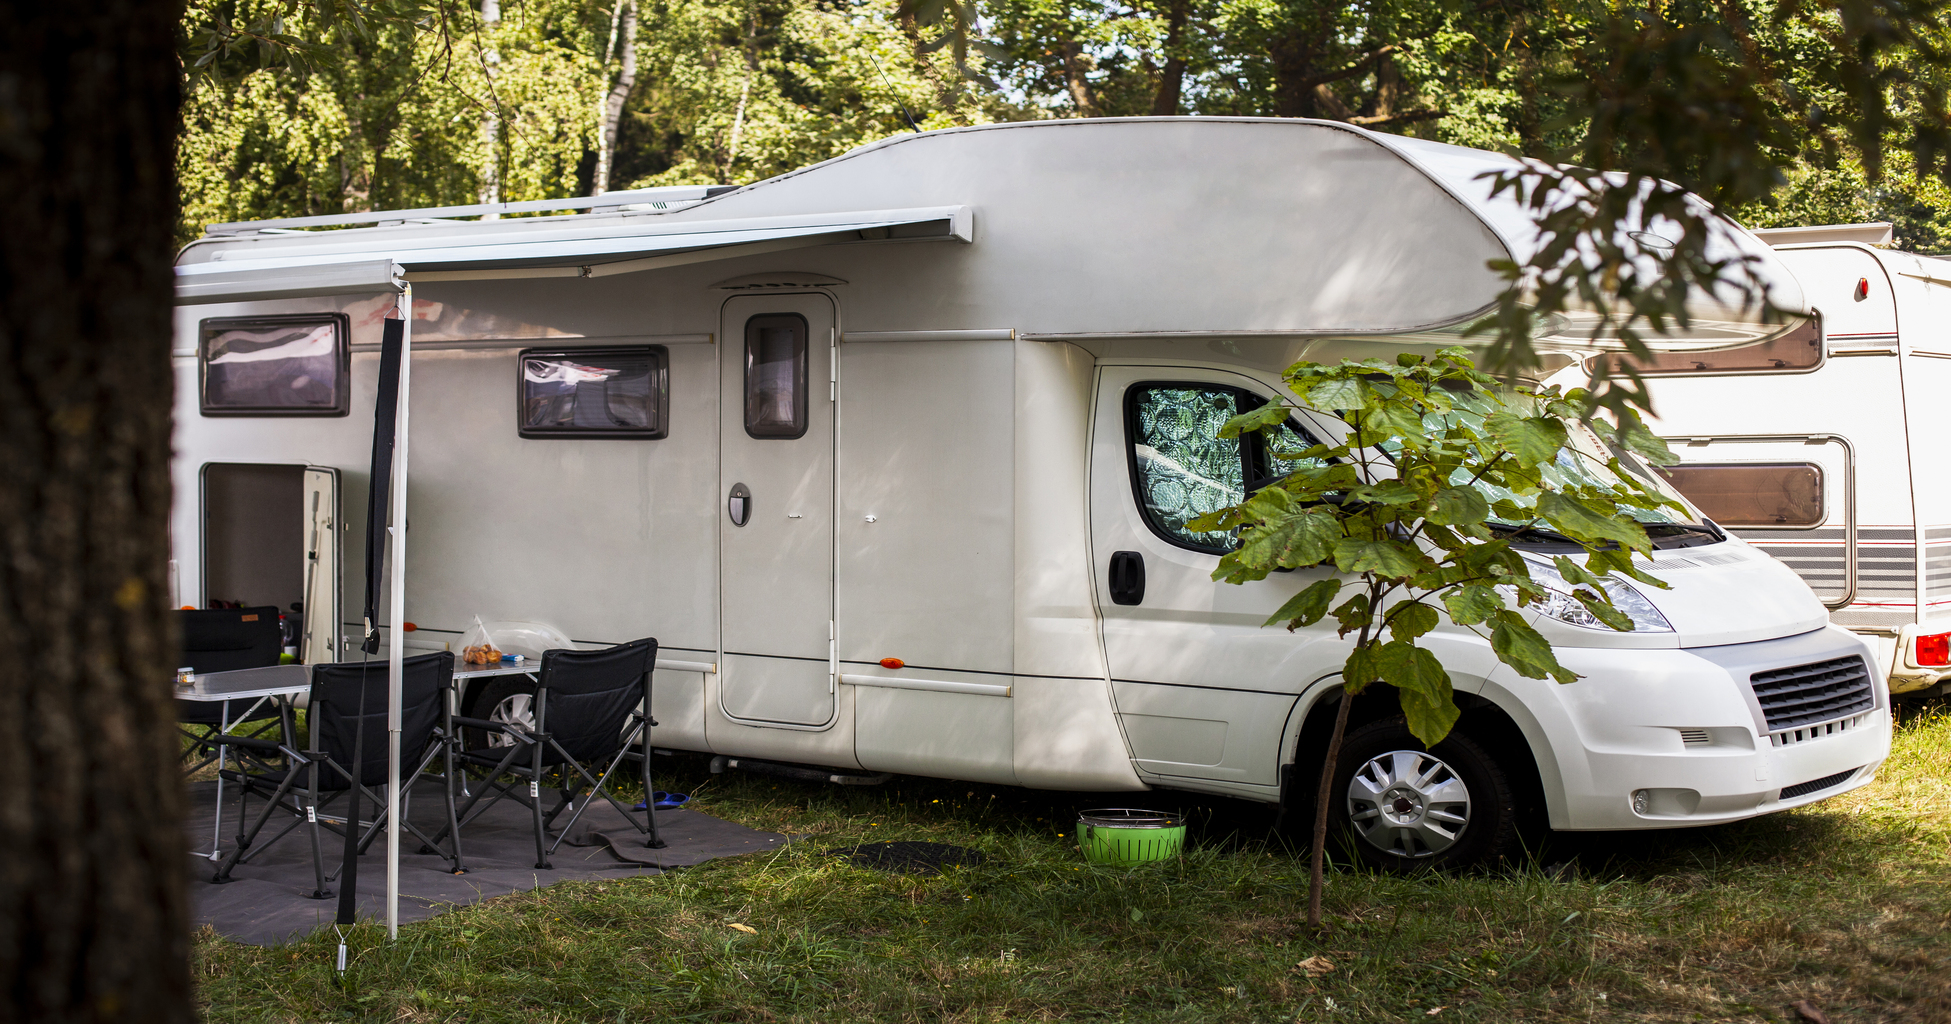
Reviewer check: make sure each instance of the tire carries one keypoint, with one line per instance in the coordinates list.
(503, 698)
(1402, 807)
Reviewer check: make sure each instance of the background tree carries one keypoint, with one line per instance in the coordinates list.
(93, 917)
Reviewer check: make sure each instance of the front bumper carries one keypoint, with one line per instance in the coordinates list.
(1682, 730)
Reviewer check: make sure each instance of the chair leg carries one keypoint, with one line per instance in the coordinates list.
(244, 836)
(656, 841)
(453, 821)
(319, 891)
(535, 805)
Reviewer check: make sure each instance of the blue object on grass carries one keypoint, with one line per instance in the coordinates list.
(666, 801)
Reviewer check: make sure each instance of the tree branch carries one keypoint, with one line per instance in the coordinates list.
(1361, 64)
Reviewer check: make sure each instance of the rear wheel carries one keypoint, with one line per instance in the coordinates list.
(1405, 807)
(508, 700)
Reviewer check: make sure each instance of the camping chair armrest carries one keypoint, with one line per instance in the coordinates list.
(508, 727)
(247, 743)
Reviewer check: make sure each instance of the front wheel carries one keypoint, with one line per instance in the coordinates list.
(1404, 807)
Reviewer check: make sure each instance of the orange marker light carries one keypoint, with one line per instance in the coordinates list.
(408, 626)
(893, 663)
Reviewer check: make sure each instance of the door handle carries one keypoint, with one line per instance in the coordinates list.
(1127, 577)
(739, 505)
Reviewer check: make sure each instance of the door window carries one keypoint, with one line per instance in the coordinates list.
(1181, 468)
(775, 376)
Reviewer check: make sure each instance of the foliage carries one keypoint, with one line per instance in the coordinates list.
(386, 111)
(1718, 99)
(1440, 471)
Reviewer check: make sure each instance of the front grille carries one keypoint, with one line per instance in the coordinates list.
(1804, 695)
(1818, 785)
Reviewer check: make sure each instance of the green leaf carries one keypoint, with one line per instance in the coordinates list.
(1296, 540)
(1473, 603)
(1455, 505)
(1268, 415)
(1581, 521)
(1360, 669)
(1411, 619)
(1352, 614)
(1533, 440)
(1525, 650)
(1388, 492)
(1337, 394)
(1423, 687)
(1575, 573)
(1601, 608)
(1393, 418)
(1387, 558)
(1307, 607)
(1633, 436)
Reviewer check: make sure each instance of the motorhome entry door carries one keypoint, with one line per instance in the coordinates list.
(776, 514)
(317, 639)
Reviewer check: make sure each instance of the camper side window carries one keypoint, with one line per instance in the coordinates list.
(775, 376)
(274, 365)
(609, 392)
(1797, 351)
(1753, 494)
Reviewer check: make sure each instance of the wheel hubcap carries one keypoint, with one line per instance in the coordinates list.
(517, 710)
(1408, 803)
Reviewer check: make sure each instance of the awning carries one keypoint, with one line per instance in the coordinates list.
(241, 281)
(325, 264)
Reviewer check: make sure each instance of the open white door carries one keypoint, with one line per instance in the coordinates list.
(319, 642)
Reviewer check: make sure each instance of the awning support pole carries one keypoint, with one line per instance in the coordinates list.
(396, 614)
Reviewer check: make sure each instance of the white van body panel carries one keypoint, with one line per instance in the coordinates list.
(965, 477)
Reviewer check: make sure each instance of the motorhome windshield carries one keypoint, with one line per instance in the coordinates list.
(1586, 460)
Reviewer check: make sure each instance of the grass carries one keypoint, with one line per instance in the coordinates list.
(1846, 904)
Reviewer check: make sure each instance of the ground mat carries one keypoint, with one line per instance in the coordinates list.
(268, 900)
(904, 857)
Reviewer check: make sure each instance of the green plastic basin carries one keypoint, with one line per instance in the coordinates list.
(1128, 836)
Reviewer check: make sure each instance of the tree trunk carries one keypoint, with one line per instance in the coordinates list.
(626, 80)
(1171, 79)
(93, 916)
(1317, 850)
(1075, 65)
(491, 119)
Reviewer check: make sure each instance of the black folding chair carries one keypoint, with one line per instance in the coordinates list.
(590, 708)
(222, 640)
(319, 776)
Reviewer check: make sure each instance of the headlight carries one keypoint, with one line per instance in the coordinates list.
(1561, 605)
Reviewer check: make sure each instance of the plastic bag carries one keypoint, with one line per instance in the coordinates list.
(477, 647)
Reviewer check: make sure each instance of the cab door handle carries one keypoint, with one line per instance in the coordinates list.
(1127, 577)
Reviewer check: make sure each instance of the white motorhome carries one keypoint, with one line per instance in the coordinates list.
(1816, 447)
(893, 455)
